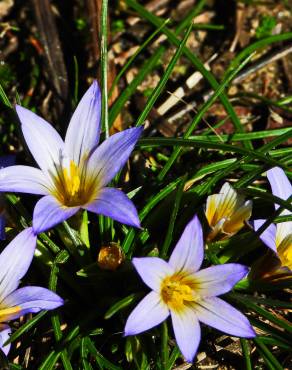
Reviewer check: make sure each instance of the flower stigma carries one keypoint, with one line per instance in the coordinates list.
(177, 290)
(73, 186)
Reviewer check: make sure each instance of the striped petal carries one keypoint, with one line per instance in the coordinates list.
(31, 299)
(221, 205)
(188, 254)
(15, 261)
(150, 312)
(220, 315)
(48, 212)
(268, 236)
(43, 141)
(116, 205)
(84, 128)
(109, 158)
(219, 279)
(5, 332)
(238, 218)
(152, 271)
(187, 332)
(23, 179)
(280, 184)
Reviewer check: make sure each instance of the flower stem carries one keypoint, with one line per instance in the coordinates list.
(164, 345)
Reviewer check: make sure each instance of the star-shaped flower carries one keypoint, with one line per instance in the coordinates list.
(188, 295)
(14, 263)
(73, 173)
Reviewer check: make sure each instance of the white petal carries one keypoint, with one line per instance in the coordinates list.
(150, 312)
(84, 128)
(152, 271)
(43, 141)
(187, 332)
(15, 261)
(189, 252)
(217, 313)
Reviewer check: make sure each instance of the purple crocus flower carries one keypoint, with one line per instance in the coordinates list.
(188, 295)
(73, 173)
(14, 263)
(279, 237)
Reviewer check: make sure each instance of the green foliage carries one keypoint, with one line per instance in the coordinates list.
(87, 333)
(266, 26)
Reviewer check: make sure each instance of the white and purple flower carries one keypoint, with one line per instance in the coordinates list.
(278, 237)
(73, 173)
(14, 263)
(188, 295)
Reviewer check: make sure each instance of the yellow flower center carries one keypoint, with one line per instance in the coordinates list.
(7, 313)
(177, 290)
(73, 186)
(72, 179)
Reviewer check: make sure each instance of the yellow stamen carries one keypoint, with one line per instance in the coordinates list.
(285, 251)
(7, 313)
(73, 186)
(72, 179)
(177, 290)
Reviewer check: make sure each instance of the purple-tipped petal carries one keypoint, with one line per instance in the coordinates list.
(7, 160)
(5, 332)
(220, 315)
(280, 184)
(84, 128)
(43, 141)
(116, 205)
(220, 279)
(15, 261)
(268, 236)
(48, 212)
(152, 271)
(32, 299)
(2, 227)
(187, 332)
(109, 158)
(23, 179)
(188, 254)
(150, 312)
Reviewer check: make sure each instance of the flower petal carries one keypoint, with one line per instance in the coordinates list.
(5, 332)
(268, 236)
(220, 315)
(188, 254)
(238, 218)
(43, 141)
(15, 261)
(23, 179)
(221, 205)
(108, 159)
(84, 128)
(32, 299)
(152, 271)
(220, 279)
(150, 312)
(115, 204)
(48, 212)
(280, 184)
(187, 332)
